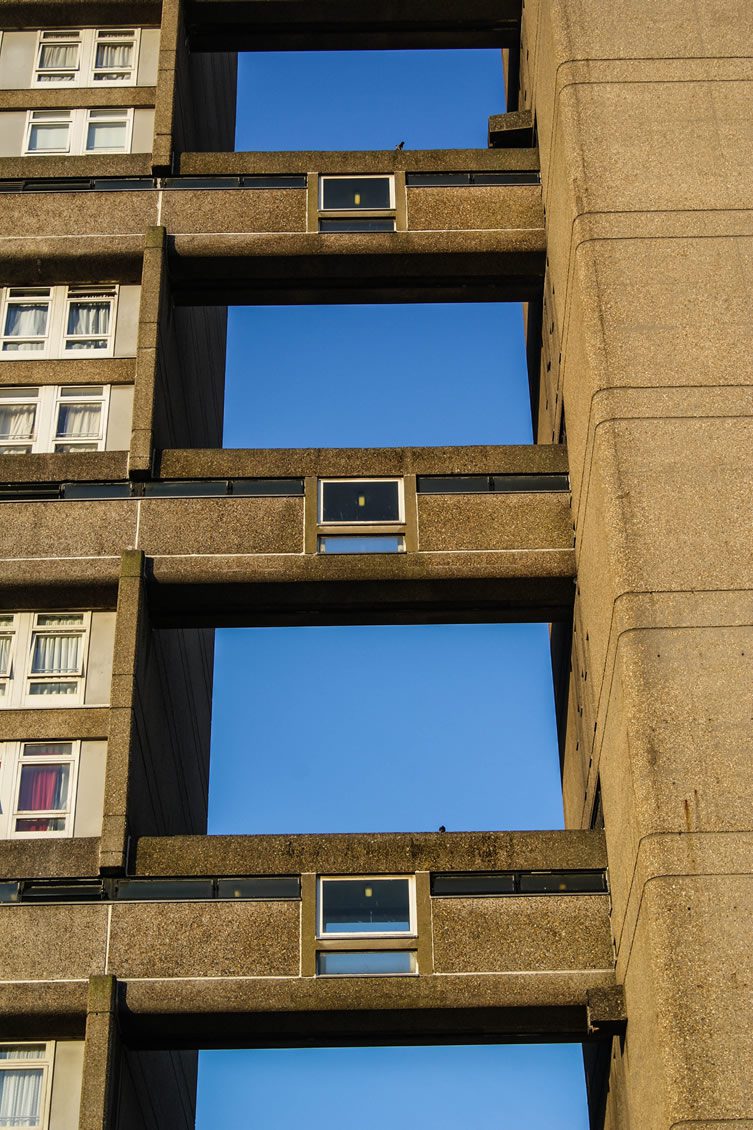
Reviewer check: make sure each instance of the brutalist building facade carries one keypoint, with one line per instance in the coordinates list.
(614, 200)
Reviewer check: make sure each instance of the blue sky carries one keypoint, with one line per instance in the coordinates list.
(381, 728)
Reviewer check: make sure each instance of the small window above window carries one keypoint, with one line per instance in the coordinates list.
(359, 501)
(369, 905)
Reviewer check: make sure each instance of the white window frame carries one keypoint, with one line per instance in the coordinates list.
(82, 630)
(364, 935)
(354, 523)
(47, 1065)
(85, 71)
(56, 336)
(12, 761)
(324, 177)
(78, 122)
(18, 680)
(76, 294)
(67, 37)
(47, 400)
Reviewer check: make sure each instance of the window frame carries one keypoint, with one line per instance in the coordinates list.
(25, 396)
(75, 698)
(78, 120)
(390, 525)
(47, 400)
(7, 677)
(364, 935)
(58, 300)
(352, 214)
(13, 779)
(46, 1062)
(85, 72)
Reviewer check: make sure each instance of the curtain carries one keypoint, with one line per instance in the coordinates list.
(26, 319)
(20, 1095)
(55, 56)
(43, 788)
(4, 654)
(17, 421)
(77, 421)
(88, 318)
(113, 55)
(106, 135)
(55, 655)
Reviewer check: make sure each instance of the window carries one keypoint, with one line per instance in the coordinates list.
(87, 57)
(57, 322)
(53, 418)
(77, 132)
(43, 658)
(366, 963)
(39, 778)
(356, 203)
(373, 906)
(346, 506)
(25, 1075)
(358, 501)
(58, 57)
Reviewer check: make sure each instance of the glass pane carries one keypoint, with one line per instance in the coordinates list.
(78, 421)
(263, 887)
(365, 906)
(87, 318)
(58, 56)
(354, 224)
(47, 749)
(43, 788)
(106, 135)
(17, 421)
(5, 642)
(372, 963)
(21, 1096)
(362, 543)
(472, 885)
(41, 824)
(26, 319)
(22, 1051)
(110, 55)
(53, 688)
(360, 501)
(562, 882)
(55, 655)
(162, 889)
(48, 137)
(59, 619)
(356, 192)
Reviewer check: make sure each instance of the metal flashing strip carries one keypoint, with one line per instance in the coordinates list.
(249, 888)
(495, 884)
(463, 180)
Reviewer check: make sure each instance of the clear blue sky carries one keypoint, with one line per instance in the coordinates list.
(389, 728)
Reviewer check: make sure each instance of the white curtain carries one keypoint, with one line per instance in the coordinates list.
(113, 55)
(17, 421)
(4, 654)
(24, 319)
(55, 655)
(52, 136)
(77, 421)
(88, 318)
(54, 56)
(106, 135)
(20, 1096)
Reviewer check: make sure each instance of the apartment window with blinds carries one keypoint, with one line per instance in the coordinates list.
(58, 321)
(38, 787)
(25, 1084)
(78, 132)
(53, 418)
(87, 57)
(43, 658)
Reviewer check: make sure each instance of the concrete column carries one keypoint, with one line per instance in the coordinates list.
(101, 1055)
(171, 38)
(151, 316)
(121, 745)
(643, 116)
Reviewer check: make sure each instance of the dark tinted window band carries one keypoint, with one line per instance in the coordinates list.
(260, 887)
(71, 492)
(482, 484)
(140, 184)
(491, 884)
(451, 180)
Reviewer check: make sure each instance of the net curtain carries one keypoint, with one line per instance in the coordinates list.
(55, 655)
(89, 319)
(78, 420)
(26, 319)
(21, 1095)
(17, 421)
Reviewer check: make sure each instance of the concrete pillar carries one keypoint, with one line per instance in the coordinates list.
(101, 1056)
(643, 117)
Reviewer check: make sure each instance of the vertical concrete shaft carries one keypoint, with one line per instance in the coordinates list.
(643, 112)
(153, 300)
(165, 110)
(129, 630)
(101, 1055)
